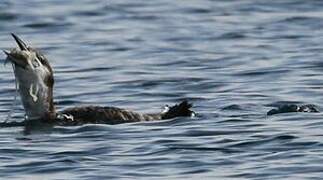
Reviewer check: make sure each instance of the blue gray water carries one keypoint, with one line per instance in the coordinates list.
(235, 60)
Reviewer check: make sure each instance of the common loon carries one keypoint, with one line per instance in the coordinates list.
(35, 80)
(287, 108)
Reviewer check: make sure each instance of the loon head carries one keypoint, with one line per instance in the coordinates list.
(35, 80)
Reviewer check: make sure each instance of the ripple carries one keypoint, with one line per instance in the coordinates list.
(300, 19)
(263, 72)
(233, 107)
(90, 13)
(6, 16)
(41, 25)
(281, 139)
(198, 10)
(232, 35)
(203, 149)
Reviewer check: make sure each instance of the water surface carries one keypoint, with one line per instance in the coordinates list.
(235, 60)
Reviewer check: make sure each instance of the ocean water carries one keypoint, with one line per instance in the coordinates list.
(234, 60)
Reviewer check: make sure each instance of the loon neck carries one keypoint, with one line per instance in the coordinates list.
(41, 111)
(37, 99)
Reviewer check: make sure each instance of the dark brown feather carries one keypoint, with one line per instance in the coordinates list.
(104, 115)
(113, 115)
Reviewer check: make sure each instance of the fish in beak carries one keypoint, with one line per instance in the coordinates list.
(18, 56)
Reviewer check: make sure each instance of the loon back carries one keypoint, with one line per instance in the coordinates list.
(114, 115)
(35, 80)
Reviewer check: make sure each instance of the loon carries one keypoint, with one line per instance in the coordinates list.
(288, 108)
(35, 80)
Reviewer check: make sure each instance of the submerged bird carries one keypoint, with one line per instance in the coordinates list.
(35, 80)
(288, 108)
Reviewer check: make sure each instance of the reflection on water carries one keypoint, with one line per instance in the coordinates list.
(234, 60)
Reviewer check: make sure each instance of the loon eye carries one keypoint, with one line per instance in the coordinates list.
(35, 63)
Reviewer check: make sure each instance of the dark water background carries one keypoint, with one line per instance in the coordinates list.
(234, 60)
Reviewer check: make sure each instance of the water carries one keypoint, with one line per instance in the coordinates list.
(235, 60)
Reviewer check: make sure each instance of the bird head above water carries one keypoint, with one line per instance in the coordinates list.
(35, 80)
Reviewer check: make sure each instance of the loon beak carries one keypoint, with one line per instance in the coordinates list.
(22, 45)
